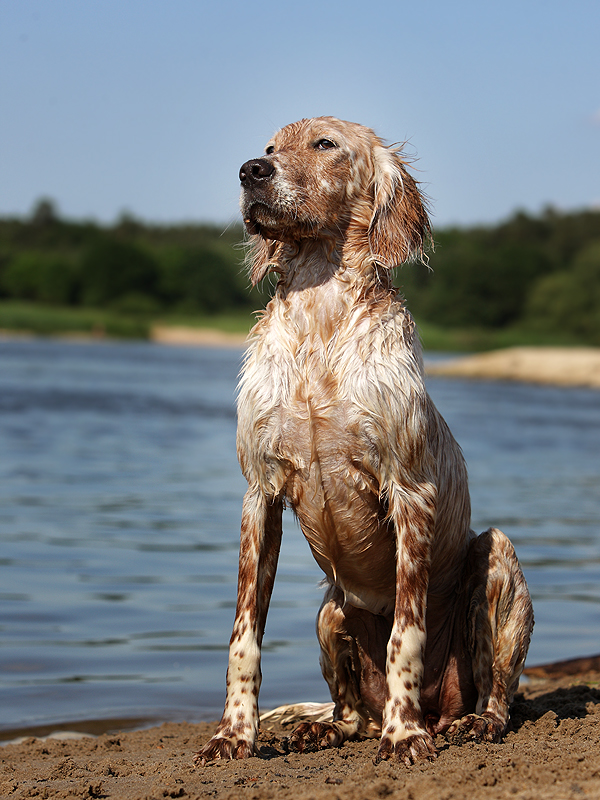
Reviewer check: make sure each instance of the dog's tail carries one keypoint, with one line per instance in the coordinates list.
(298, 712)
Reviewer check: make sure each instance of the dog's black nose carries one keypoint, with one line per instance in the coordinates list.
(256, 170)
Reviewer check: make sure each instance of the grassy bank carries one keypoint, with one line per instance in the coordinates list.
(469, 340)
(56, 320)
(43, 320)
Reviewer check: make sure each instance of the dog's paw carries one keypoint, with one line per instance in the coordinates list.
(310, 736)
(409, 751)
(220, 747)
(476, 728)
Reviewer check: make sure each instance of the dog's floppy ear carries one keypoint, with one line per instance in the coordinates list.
(260, 257)
(400, 225)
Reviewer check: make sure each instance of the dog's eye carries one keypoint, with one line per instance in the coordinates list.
(270, 149)
(325, 144)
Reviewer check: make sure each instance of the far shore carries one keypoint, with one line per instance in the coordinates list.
(553, 366)
(556, 366)
(181, 335)
(196, 337)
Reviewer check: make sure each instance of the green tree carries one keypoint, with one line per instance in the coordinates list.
(202, 279)
(44, 212)
(46, 277)
(473, 280)
(112, 269)
(569, 300)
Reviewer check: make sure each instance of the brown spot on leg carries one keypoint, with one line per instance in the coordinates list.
(500, 621)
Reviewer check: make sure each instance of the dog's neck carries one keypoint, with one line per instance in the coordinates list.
(321, 290)
(342, 267)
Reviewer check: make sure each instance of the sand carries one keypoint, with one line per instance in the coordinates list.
(196, 337)
(558, 366)
(552, 752)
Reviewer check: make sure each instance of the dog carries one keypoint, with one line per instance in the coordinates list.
(425, 626)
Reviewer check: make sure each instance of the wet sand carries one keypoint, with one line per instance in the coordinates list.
(558, 366)
(552, 752)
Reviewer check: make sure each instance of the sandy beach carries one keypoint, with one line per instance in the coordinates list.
(552, 752)
(196, 337)
(558, 366)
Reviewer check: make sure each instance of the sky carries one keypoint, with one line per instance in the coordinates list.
(149, 107)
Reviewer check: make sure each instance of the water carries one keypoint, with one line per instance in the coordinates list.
(120, 500)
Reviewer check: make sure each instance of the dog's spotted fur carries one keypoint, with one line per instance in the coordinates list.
(424, 627)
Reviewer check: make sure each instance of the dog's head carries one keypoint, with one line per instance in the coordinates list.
(324, 178)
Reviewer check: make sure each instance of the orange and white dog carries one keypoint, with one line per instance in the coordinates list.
(425, 626)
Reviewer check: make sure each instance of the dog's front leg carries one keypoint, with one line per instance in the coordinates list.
(260, 541)
(404, 736)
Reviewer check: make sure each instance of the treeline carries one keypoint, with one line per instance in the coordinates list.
(532, 272)
(536, 273)
(130, 267)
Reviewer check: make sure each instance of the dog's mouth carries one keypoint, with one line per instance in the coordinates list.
(262, 220)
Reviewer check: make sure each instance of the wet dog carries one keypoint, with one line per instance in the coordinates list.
(425, 626)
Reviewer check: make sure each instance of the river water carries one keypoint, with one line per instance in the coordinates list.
(120, 500)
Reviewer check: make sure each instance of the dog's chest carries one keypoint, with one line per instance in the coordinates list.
(328, 391)
(302, 434)
(293, 406)
(319, 420)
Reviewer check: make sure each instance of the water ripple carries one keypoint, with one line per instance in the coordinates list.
(18, 400)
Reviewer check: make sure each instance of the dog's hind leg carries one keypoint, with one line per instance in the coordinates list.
(340, 659)
(499, 625)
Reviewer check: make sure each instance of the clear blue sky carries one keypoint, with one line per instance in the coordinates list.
(151, 106)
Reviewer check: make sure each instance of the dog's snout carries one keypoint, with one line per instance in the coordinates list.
(258, 169)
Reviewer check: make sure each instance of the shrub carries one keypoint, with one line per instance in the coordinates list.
(570, 300)
(111, 269)
(136, 304)
(45, 277)
(473, 281)
(202, 279)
